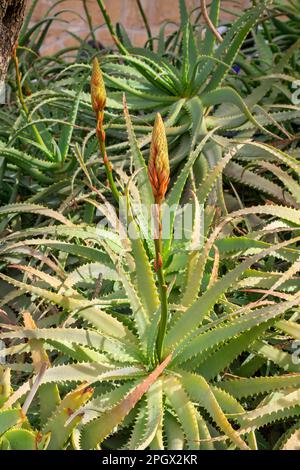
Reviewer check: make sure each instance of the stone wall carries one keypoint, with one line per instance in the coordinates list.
(124, 11)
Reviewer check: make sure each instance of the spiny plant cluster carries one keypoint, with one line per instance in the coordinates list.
(128, 339)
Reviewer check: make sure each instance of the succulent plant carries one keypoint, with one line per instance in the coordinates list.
(175, 385)
(145, 333)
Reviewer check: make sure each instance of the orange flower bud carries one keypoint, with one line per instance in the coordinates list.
(158, 166)
(98, 92)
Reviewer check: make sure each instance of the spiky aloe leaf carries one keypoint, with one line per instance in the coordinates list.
(48, 394)
(152, 410)
(144, 279)
(9, 419)
(254, 180)
(97, 430)
(34, 209)
(210, 38)
(213, 174)
(49, 399)
(200, 344)
(227, 94)
(58, 424)
(290, 327)
(89, 272)
(139, 313)
(67, 131)
(231, 45)
(223, 357)
(243, 387)
(5, 386)
(85, 252)
(289, 182)
(191, 292)
(85, 309)
(290, 439)
(174, 433)
(196, 312)
(284, 401)
(184, 410)
(200, 391)
(87, 373)
(68, 336)
(145, 190)
(283, 359)
(228, 49)
(22, 439)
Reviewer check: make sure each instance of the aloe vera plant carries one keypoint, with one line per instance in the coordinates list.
(118, 337)
(189, 78)
(167, 384)
(287, 31)
(184, 88)
(40, 137)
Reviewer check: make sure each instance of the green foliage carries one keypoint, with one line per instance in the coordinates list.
(81, 303)
(204, 339)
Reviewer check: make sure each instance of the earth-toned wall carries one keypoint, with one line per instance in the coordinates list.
(124, 11)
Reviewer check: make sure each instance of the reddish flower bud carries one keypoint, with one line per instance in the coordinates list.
(158, 166)
(98, 92)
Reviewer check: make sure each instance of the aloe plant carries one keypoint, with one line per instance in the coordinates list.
(287, 32)
(191, 81)
(186, 89)
(40, 140)
(129, 339)
(186, 391)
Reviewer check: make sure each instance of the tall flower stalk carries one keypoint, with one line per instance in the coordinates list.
(22, 99)
(98, 95)
(159, 176)
(111, 28)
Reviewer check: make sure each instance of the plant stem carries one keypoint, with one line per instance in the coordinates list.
(90, 23)
(111, 29)
(34, 388)
(108, 168)
(163, 290)
(22, 100)
(142, 12)
(209, 22)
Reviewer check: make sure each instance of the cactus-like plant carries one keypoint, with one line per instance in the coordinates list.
(128, 337)
(186, 76)
(180, 386)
